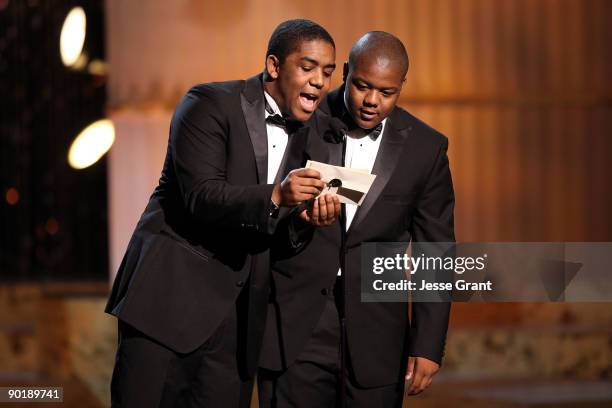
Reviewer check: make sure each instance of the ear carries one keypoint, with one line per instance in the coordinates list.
(345, 70)
(272, 66)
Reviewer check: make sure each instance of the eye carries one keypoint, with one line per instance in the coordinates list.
(306, 69)
(327, 74)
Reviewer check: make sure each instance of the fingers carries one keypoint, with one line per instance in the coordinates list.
(410, 369)
(310, 182)
(329, 209)
(422, 372)
(310, 185)
(310, 173)
(315, 213)
(300, 185)
(331, 214)
(304, 216)
(307, 177)
(295, 198)
(312, 191)
(425, 382)
(337, 206)
(322, 208)
(324, 211)
(417, 383)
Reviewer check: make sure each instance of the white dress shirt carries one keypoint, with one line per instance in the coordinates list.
(361, 151)
(277, 141)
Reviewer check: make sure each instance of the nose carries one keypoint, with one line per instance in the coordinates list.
(371, 99)
(316, 80)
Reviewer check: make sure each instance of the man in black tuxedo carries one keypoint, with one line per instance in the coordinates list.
(192, 290)
(411, 199)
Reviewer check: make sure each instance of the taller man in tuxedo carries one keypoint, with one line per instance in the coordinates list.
(191, 292)
(411, 199)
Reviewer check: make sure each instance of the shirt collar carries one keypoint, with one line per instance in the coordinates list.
(272, 104)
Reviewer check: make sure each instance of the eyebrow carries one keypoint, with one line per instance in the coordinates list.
(314, 61)
(357, 79)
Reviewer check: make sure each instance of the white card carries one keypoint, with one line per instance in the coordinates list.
(351, 185)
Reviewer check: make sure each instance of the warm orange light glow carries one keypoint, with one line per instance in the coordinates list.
(12, 196)
(52, 226)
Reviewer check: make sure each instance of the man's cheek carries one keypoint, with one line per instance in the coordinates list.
(327, 84)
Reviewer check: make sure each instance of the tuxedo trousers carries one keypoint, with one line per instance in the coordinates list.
(148, 374)
(313, 380)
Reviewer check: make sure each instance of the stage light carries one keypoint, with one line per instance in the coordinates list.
(12, 196)
(97, 67)
(91, 144)
(72, 38)
(52, 226)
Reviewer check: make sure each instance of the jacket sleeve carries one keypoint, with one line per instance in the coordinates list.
(291, 235)
(199, 135)
(433, 222)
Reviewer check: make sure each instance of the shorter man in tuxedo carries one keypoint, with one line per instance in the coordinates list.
(411, 199)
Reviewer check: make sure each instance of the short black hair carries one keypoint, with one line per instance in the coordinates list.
(289, 34)
(377, 44)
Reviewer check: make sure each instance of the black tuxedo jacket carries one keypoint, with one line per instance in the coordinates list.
(411, 199)
(204, 236)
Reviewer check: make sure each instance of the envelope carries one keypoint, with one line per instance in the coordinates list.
(351, 185)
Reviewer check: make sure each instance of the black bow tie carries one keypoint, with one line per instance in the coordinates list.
(289, 125)
(275, 119)
(374, 132)
(338, 129)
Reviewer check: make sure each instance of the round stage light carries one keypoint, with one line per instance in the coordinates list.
(91, 144)
(72, 37)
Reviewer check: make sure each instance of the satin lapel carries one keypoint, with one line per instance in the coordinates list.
(331, 153)
(389, 152)
(294, 158)
(295, 153)
(253, 107)
(336, 107)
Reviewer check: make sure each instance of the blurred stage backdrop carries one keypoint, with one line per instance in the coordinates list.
(521, 88)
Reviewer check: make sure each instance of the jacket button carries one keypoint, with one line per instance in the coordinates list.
(325, 291)
(240, 284)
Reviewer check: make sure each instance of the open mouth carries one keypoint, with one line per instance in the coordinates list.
(367, 115)
(308, 101)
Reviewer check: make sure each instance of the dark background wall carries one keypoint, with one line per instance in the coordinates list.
(53, 219)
